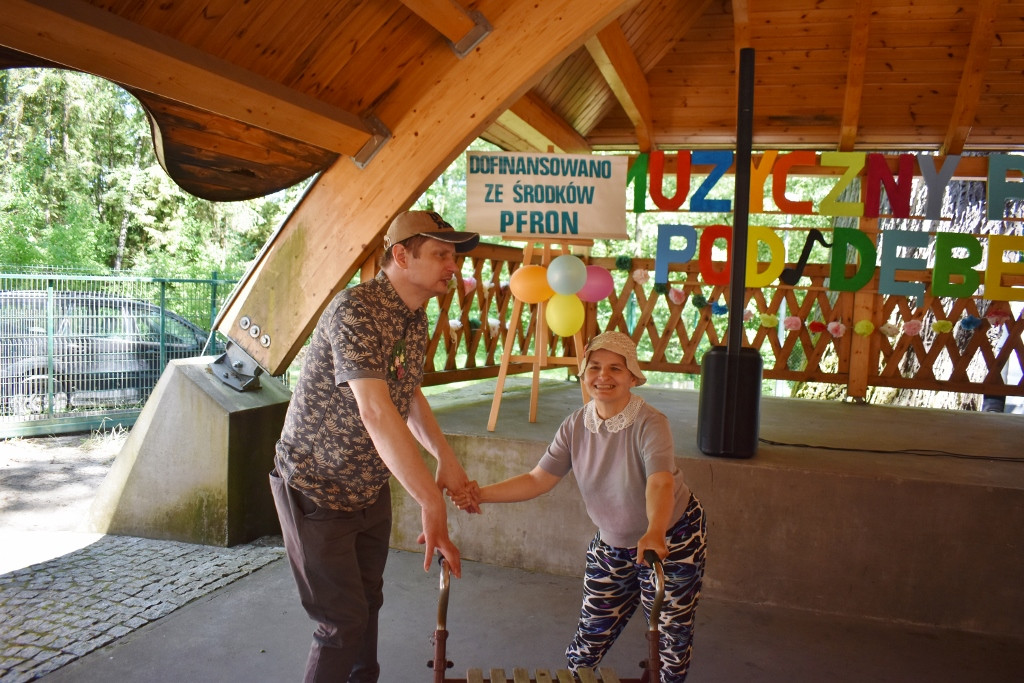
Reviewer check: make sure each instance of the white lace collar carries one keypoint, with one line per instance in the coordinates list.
(615, 423)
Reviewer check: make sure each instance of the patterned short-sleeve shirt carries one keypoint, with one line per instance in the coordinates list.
(324, 451)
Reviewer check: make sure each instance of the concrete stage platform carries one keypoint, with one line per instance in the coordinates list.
(901, 515)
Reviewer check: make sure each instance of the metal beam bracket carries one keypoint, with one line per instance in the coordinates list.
(237, 369)
(379, 135)
(476, 34)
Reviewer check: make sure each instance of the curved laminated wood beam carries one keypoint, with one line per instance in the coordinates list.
(969, 92)
(740, 29)
(341, 219)
(532, 119)
(82, 37)
(855, 76)
(614, 58)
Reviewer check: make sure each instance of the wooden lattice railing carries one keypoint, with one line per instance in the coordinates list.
(672, 333)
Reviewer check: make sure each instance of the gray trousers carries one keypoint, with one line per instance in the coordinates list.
(338, 561)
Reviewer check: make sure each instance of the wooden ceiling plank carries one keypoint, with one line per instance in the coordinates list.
(263, 34)
(306, 54)
(855, 76)
(535, 113)
(236, 21)
(97, 42)
(579, 90)
(969, 93)
(206, 20)
(399, 42)
(614, 57)
(671, 28)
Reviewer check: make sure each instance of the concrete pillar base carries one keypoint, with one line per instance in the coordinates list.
(195, 466)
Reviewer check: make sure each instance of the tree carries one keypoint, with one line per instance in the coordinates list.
(80, 187)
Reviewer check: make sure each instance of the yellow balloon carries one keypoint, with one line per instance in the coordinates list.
(564, 314)
(530, 284)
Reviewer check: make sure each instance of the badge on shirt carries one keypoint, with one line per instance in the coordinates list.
(396, 369)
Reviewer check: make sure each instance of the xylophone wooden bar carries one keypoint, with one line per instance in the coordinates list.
(521, 675)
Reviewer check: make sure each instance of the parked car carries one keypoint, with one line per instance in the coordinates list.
(84, 349)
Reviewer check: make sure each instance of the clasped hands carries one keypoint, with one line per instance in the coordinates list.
(468, 499)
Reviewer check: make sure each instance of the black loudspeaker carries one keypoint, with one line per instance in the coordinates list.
(728, 415)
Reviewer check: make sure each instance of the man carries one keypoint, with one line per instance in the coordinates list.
(358, 416)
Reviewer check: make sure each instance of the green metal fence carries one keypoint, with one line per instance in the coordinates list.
(78, 352)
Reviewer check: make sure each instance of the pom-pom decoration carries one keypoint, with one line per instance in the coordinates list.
(970, 322)
(942, 326)
(454, 327)
(623, 263)
(699, 301)
(836, 329)
(769, 320)
(641, 276)
(816, 327)
(866, 327)
(676, 296)
(748, 315)
(912, 328)
(998, 313)
(719, 309)
(791, 323)
(468, 284)
(530, 284)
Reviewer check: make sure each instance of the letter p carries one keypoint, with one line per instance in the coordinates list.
(666, 255)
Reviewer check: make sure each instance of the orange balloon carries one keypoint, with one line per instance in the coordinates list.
(530, 284)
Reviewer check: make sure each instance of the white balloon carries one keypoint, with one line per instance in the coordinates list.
(567, 274)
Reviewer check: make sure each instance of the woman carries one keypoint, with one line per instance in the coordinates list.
(621, 452)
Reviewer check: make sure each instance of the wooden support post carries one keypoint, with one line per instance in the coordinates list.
(539, 358)
(863, 350)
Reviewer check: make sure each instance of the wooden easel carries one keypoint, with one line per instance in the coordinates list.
(539, 358)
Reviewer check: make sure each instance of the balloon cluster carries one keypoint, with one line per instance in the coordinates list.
(565, 284)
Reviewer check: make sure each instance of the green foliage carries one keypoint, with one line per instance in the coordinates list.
(447, 194)
(80, 187)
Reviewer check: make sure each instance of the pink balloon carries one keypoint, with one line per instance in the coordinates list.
(599, 284)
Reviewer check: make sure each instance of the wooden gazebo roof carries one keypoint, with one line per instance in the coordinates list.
(380, 95)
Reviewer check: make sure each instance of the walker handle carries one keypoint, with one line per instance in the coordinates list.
(442, 602)
(652, 665)
(656, 565)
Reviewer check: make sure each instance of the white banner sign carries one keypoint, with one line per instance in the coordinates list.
(546, 196)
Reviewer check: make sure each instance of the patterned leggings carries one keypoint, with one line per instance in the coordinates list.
(614, 584)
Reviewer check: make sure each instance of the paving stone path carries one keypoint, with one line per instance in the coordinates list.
(57, 611)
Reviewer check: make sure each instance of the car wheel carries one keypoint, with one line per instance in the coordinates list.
(32, 398)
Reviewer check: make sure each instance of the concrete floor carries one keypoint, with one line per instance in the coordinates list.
(500, 617)
(254, 630)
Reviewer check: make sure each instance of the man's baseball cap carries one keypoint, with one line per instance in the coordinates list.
(429, 224)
